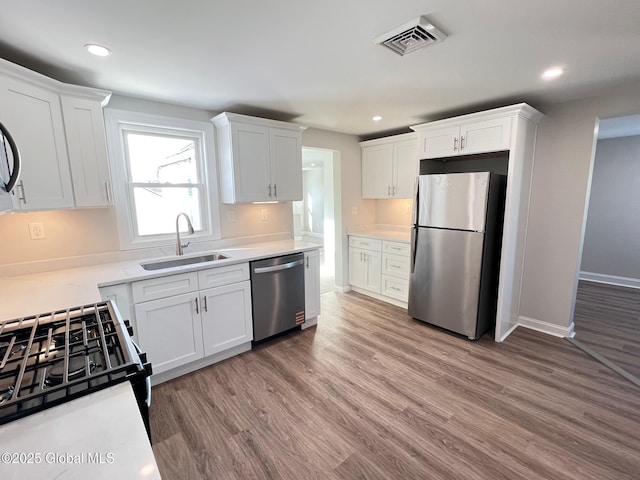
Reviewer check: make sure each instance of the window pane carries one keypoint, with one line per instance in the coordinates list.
(157, 208)
(161, 159)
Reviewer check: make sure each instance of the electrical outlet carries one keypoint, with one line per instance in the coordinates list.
(409, 207)
(354, 210)
(231, 216)
(36, 231)
(264, 215)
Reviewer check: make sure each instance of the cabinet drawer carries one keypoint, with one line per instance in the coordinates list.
(161, 287)
(396, 248)
(216, 277)
(395, 265)
(367, 243)
(397, 288)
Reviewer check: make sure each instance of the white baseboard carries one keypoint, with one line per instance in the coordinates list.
(546, 327)
(507, 333)
(610, 279)
(340, 289)
(384, 298)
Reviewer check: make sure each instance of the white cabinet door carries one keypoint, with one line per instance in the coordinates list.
(34, 117)
(377, 168)
(170, 331)
(356, 267)
(439, 142)
(485, 136)
(286, 164)
(311, 284)
(405, 168)
(372, 268)
(226, 317)
(84, 128)
(251, 164)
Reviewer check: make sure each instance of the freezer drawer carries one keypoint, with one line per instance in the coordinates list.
(445, 281)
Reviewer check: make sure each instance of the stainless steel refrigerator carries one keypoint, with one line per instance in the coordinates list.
(455, 250)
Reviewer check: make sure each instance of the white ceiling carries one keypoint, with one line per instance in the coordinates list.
(316, 63)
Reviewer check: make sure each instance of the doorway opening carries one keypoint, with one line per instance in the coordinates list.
(607, 306)
(316, 217)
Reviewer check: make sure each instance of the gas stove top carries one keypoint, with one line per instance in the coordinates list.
(51, 358)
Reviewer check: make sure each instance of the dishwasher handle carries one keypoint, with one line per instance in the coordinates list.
(277, 268)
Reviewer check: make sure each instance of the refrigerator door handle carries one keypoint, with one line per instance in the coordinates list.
(414, 239)
(416, 203)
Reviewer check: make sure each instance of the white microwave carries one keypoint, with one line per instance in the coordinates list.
(9, 168)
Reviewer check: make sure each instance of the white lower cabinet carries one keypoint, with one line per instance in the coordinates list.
(170, 331)
(179, 322)
(364, 269)
(373, 270)
(226, 317)
(311, 287)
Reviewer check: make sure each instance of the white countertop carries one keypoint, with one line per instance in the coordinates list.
(31, 294)
(98, 436)
(395, 233)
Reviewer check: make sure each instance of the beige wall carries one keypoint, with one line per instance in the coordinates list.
(561, 177)
(68, 233)
(611, 244)
(394, 212)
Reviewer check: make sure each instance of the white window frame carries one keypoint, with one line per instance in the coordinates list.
(117, 122)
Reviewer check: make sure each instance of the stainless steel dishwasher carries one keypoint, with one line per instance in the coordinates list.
(277, 294)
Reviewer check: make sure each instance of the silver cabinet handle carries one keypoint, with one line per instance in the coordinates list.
(307, 259)
(275, 190)
(361, 257)
(197, 309)
(461, 143)
(365, 257)
(395, 189)
(204, 303)
(24, 195)
(455, 144)
(388, 190)
(269, 189)
(106, 189)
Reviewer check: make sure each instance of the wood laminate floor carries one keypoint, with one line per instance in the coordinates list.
(372, 394)
(607, 320)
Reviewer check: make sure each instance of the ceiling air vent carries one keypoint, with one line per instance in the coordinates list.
(411, 36)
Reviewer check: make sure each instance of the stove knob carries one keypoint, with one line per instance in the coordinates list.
(127, 324)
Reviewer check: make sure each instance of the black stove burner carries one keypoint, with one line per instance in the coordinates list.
(77, 369)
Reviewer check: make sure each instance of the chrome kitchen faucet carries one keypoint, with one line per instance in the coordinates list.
(190, 231)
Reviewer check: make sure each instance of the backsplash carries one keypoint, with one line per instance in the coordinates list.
(394, 212)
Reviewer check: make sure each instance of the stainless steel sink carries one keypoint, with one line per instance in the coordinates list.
(178, 262)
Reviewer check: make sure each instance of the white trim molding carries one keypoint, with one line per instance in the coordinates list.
(610, 279)
(546, 327)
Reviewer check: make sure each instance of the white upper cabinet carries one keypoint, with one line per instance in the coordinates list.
(478, 135)
(389, 167)
(34, 118)
(59, 131)
(84, 127)
(260, 160)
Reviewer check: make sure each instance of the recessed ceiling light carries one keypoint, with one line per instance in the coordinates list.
(313, 164)
(98, 50)
(377, 118)
(553, 72)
